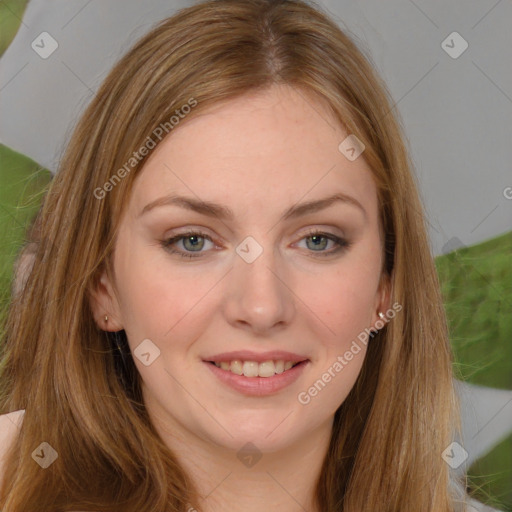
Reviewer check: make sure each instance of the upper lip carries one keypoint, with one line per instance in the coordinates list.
(247, 355)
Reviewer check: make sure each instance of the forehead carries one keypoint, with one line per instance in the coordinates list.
(269, 148)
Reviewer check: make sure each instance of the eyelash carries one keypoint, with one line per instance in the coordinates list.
(341, 243)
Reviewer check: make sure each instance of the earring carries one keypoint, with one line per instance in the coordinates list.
(382, 316)
(106, 318)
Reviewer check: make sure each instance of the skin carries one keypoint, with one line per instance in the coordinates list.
(257, 155)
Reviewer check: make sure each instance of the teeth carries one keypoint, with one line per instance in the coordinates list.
(266, 369)
(236, 367)
(254, 369)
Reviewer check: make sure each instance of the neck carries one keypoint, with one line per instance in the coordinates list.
(248, 480)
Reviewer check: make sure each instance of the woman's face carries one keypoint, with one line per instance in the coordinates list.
(271, 267)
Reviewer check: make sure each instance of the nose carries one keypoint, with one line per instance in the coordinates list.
(259, 296)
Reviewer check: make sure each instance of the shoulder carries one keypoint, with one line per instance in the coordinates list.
(9, 426)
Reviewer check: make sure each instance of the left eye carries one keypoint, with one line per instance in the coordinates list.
(318, 241)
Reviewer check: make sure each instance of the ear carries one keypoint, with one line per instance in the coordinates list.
(104, 304)
(382, 301)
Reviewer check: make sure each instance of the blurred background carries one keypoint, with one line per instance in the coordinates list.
(448, 69)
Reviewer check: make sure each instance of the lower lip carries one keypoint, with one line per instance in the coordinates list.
(258, 386)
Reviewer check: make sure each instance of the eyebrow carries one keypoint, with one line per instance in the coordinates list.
(219, 211)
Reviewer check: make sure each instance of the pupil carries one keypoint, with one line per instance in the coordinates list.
(193, 240)
(317, 241)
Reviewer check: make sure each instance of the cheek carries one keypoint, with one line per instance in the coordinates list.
(344, 302)
(344, 298)
(157, 304)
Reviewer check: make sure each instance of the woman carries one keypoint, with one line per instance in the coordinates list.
(232, 303)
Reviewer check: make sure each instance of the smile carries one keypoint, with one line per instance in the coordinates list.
(257, 379)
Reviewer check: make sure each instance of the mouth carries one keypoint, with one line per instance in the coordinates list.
(257, 379)
(264, 369)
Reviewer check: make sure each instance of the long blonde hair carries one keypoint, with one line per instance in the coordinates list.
(389, 433)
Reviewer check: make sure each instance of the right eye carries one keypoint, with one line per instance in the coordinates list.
(192, 242)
